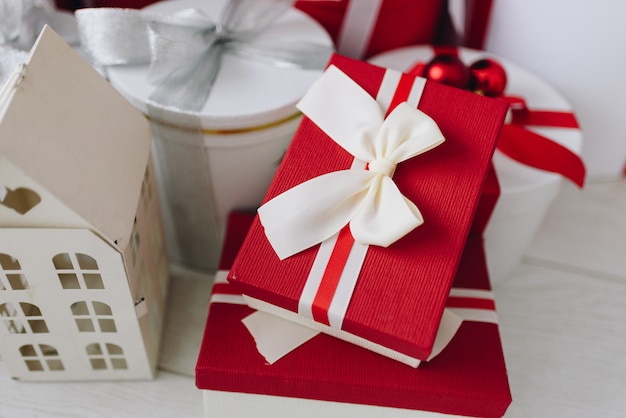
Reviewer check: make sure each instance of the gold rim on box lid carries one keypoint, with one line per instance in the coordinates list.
(206, 131)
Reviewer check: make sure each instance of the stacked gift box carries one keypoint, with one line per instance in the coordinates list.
(402, 296)
(329, 377)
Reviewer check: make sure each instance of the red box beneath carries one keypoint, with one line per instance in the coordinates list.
(468, 378)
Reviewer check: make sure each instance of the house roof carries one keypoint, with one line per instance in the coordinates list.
(71, 132)
(43, 210)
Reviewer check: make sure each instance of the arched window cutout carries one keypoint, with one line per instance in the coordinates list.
(21, 200)
(106, 356)
(86, 262)
(11, 275)
(23, 318)
(77, 271)
(102, 309)
(93, 316)
(9, 263)
(41, 357)
(62, 262)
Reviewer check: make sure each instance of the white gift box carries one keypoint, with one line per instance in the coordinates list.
(247, 124)
(526, 192)
(572, 45)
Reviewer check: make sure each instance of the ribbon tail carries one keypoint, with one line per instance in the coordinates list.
(276, 337)
(313, 211)
(188, 91)
(537, 151)
(385, 215)
(449, 325)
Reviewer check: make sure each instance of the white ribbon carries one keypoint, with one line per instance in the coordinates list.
(357, 27)
(368, 200)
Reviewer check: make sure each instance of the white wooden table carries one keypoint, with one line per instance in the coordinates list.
(562, 320)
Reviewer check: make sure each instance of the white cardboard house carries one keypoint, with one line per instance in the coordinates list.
(83, 271)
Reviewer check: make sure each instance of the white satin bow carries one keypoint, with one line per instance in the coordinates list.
(368, 200)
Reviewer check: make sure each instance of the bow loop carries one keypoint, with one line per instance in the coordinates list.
(177, 41)
(406, 133)
(368, 200)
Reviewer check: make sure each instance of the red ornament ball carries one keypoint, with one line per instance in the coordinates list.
(488, 77)
(448, 69)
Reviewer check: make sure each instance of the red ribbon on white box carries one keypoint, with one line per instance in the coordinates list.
(524, 145)
(276, 337)
(348, 210)
(520, 142)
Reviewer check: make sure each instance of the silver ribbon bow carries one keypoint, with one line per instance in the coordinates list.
(185, 49)
(185, 53)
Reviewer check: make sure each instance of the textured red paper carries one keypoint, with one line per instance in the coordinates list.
(399, 22)
(401, 291)
(468, 378)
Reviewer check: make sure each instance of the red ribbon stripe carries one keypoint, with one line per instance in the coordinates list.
(345, 240)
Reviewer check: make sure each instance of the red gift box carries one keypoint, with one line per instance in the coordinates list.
(401, 290)
(328, 377)
(362, 28)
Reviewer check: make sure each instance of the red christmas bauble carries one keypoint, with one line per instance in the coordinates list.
(488, 77)
(448, 69)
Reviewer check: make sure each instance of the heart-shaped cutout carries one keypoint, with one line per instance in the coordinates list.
(20, 200)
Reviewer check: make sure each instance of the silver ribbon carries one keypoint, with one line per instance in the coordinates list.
(185, 49)
(185, 52)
